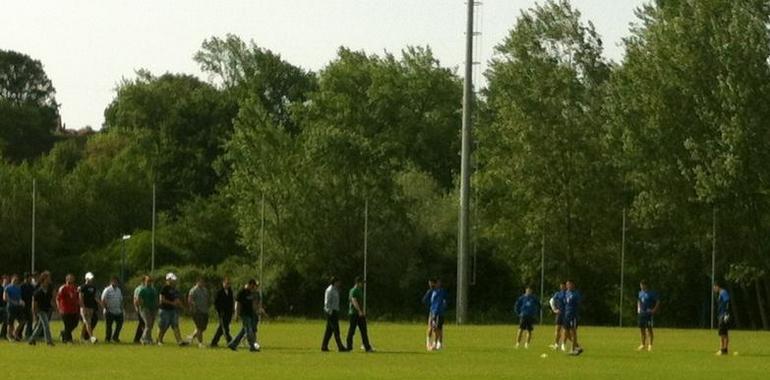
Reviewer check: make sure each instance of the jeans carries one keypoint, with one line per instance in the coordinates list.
(92, 317)
(27, 323)
(248, 330)
(70, 323)
(223, 328)
(168, 318)
(360, 322)
(332, 328)
(109, 320)
(42, 326)
(139, 328)
(4, 321)
(149, 322)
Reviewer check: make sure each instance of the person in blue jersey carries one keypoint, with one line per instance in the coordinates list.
(723, 317)
(527, 307)
(426, 301)
(646, 307)
(557, 307)
(572, 300)
(438, 303)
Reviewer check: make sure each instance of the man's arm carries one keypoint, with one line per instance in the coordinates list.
(361, 313)
(237, 310)
(190, 301)
(655, 308)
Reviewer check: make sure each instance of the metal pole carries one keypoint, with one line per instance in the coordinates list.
(542, 272)
(152, 260)
(713, 260)
(465, 173)
(366, 246)
(123, 262)
(34, 196)
(262, 243)
(622, 269)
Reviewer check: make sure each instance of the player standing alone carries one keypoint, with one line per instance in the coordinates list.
(646, 307)
(437, 309)
(723, 316)
(572, 298)
(526, 308)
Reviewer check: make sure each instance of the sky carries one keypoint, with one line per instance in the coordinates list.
(88, 47)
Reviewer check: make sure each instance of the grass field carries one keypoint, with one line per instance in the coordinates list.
(291, 351)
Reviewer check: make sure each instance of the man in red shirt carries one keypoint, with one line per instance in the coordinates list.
(68, 302)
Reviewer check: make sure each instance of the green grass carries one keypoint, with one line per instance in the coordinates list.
(291, 351)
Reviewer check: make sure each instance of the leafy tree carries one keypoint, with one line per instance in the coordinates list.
(29, 114)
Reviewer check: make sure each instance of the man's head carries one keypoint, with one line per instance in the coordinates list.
(528, 290)
(359, 281)
(45, 278)
(225, 282)
(15, 279)
(562, 286)
(201, 282)
(114, 281)
(4, 279)
(335, 282)
(252, 284)
(148, 280)
(643, 285)
(89, 277)
(570, 285)
(438, 283)
(717, 286)
(171, 279)
(70, 279)
(431, 283)
(26, 278)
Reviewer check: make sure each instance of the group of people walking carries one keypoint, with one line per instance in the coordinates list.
(27, 304)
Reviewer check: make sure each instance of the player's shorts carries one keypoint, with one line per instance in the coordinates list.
(570, 321)
(201, 320)
(725, 324)
(527, 323)
(168, 318)
(437, 321)
(559, 319)
(645, 321)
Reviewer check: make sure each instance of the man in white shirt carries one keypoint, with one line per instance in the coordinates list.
(332, 310)
(112, 299)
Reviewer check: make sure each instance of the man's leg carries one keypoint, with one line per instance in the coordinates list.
(46, 328)
(518, 337)
(364, 333)
(163, 325)
(149, 323)
(218, 333)
(251, 333)
(109, 320)
(139, 328)
(226, 320)
(118, 328)
(336, 332)
(175, 327)
(650, 336)
(351, 331)
(327, 333)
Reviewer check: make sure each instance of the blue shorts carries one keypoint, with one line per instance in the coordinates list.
(570, 321)
(645, 321)
(168, 318)
(437, 321)
(559, 320)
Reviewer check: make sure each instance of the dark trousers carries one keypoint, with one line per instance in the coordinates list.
(4, 322)
(94, 321)
(223, 328)
(360, 322)
(117, 319)
(26, 324)
(70, 323)
(332, 328)
(139, 328)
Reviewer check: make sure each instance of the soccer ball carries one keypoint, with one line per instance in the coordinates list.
(543, 356)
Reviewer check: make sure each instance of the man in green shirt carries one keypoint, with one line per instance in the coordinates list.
(140, 322)
(147, 303)
(357, 315)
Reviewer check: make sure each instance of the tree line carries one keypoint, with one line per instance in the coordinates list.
(674, 136)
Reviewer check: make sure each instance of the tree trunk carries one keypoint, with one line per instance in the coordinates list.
(749, 309)
(761, 304)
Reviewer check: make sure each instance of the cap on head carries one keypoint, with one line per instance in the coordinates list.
(170, 276)
(89, 276)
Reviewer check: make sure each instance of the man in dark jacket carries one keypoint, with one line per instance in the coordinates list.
(224, 304)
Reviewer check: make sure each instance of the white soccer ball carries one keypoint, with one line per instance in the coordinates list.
(543, 355)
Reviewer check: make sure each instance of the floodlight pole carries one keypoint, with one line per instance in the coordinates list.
(622, 269)
(465, 173)
(542, 272)
(713, 260)
(152, 256)
(262, 244)
(34, 196)
(366, 246)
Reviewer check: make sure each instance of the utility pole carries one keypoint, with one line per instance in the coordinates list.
(622, 268)
(152, 257)
(465, 173)
(366, 246)
(34, 195)
(713, 260)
